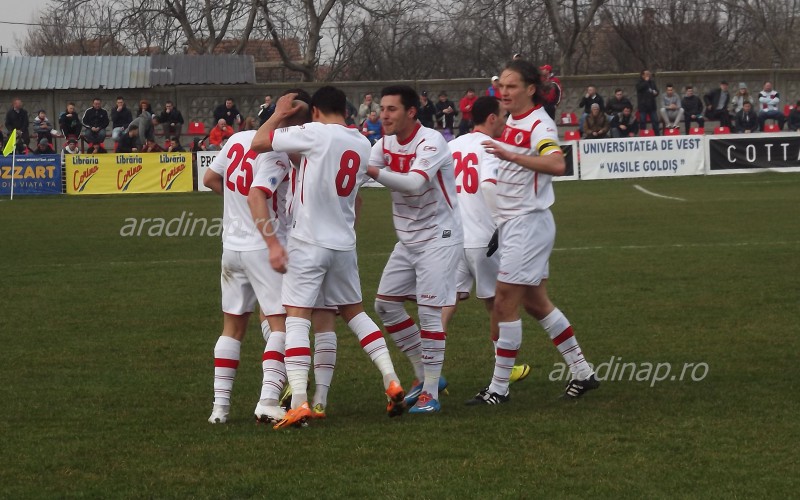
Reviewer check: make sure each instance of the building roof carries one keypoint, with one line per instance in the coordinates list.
(123, 72)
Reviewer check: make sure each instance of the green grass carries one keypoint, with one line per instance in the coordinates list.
(107, 360)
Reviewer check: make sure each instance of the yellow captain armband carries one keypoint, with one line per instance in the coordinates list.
(547, 146)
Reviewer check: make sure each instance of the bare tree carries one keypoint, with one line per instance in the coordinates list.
(569, 20)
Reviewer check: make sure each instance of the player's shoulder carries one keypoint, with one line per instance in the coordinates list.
(244, 137)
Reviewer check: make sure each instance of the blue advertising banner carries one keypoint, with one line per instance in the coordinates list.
(33, 174)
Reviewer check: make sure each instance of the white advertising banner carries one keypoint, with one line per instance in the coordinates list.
(204, 159)
(632, 157)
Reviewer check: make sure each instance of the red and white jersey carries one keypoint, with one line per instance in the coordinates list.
(474, 166)
(333, 166)
(273, 176)
(237, 164)
(428, 217)
(521, 190)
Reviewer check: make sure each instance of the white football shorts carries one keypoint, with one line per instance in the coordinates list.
(476, 267)
(314, 271)
(525, 246)
(428, 275)
(246, 278)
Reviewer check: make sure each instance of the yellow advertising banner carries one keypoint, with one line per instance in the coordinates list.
(129, 173)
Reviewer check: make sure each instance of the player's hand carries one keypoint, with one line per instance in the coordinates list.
(494, 243)
(286, 107)
(278, 258)
(373, 171)
(496, 149)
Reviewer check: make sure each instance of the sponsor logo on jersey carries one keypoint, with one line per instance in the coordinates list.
(430, 148)
(273, 181)
(446, 233)
(427, 296)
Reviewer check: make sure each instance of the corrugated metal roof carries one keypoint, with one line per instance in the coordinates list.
(202, 69)
(74, 72)
(123, 72)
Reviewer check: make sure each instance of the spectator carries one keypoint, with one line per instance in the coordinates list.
(266, 109)
(144, 121)
(794, 118)
(43, 147)
(590, 98)
(551, 88)
(350, 112)
(746, 120)
(150, 146)
(624, 123)
(494, 88)
(219, 134)
(372, 129)
(366, 108)
(646, 93)
(69, 122)
(42, 127)
(121, 117)
(465, 105)
(71, 147)
(769, 100)
(717, 101)
(17, 119)
(129, 141)
(95, 120)
(692, 109)
(596, 124)
(249, 124)
(96, 148)
(174, 145)
(671, 112)
(427, 111)
(445, 113)
(227, 112)
(617, 103)
(198, 144)
(171, 120)
(743, 96)
(144, 105)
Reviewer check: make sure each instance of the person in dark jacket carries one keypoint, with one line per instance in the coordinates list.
(624, 124)
(590, 98)
(129, 141)
(427, 111)
(692, 109)
(17, 119)
(95, 120)
(70, 122)
(646, 93)
(446, 112)
(717, 102)
(793, 121)
(266, 110)
(121, 117)
(746, 119)
(171, 120)
(227, 112)
(616, 104)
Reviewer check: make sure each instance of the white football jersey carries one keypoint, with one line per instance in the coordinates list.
(333, 166)
(429, 217)
(521, 190)
(238, 164)
(274, 177)
(473, 167)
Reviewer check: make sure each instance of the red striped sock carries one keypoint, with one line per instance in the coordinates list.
(274, 375)
(226, 362)
(558, 328)
(506, 349)
(324, 364)
(373, 343)
(406, 337)
(433, 344)
(298, 358)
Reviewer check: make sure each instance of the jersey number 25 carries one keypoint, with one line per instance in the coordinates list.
(244, 159)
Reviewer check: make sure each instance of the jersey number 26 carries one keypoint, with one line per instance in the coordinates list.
(465, 166)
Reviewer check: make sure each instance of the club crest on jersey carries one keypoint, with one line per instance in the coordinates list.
(430, 148)
(519, 138)
(273, 181)
(446, 233)
(387, 159)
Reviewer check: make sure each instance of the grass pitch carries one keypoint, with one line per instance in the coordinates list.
(107, 360)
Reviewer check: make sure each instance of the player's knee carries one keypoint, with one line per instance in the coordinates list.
(430, 318)
(389, 311)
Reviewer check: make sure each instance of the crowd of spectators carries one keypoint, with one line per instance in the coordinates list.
(617, 116)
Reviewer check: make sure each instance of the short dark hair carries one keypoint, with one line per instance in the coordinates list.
(669, 85)
(529, 73)
(302, 95)
(408, 96)
(330, 100)
(120, 98)
(617, 90)
(133, 126)
(169, 102)
(483, 107)
(689, 87)
(627, 107)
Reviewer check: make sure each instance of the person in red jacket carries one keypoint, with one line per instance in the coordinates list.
(465, 105)
(219, 134)
(551, 90)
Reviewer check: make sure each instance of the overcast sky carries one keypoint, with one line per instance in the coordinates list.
(17, 11)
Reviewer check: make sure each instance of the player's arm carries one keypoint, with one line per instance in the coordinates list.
(213, 181)
(405, 183)
(262, 142)
(266, 221)
(550, 160)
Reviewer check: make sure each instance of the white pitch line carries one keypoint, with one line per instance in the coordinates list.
(640, 188)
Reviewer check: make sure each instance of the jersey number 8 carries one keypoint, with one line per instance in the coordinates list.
(348, 171)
